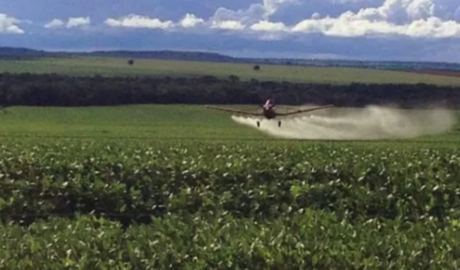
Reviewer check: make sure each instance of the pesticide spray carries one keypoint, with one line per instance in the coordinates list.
(372, 122)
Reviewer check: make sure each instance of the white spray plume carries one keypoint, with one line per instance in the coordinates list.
(373, 122)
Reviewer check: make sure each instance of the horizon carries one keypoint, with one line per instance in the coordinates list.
(225, 54)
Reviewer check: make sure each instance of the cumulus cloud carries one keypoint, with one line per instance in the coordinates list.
(253, 14)
(349, 25)
(405, 11)
(55, 23)
(267, 26)
(190, 21)
(272, 6)
(78, 22)
(8, 25)
(413, 18)
(137, 21)
(228, 25)
(72, 22)
(399, 11)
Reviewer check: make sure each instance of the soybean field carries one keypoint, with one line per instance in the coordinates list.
(182, 187)
(200, 204)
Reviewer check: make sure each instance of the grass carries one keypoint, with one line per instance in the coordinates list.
(106, 66)
(122, 122)
(148, 122)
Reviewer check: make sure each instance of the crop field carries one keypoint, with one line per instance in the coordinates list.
(143, 122)
(119, 66)
(440, 73)
(182, 187)
(165, 122)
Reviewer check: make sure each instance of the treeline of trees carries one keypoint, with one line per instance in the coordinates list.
(63, 90)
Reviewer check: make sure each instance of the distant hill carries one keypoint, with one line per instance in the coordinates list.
(23, 53)
(20, 53)
(164, 55)
(8, 53)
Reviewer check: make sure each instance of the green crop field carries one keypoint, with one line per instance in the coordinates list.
(122, 122)
(153, 122)
(118, 66)
(183, 187)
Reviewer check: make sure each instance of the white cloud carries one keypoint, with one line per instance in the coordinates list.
(8, 25)
(268, 26)
(413, 18)
(253, 14)
(349, 25)
(137, 21)
(55, 23)
(256, 15)
(78, 22)
(73, 22)
(190, 21)
(405, 11)
(420, 9)
(228, 25)
(316, 16)
(272, 6)
(433, 27)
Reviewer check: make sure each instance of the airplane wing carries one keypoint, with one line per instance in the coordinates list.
(233, 110)
(304, 110)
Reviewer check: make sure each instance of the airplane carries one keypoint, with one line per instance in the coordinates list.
(268, 111)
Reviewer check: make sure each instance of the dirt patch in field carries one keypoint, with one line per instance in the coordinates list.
(373, 122)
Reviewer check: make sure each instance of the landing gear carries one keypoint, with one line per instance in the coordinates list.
(258, 123)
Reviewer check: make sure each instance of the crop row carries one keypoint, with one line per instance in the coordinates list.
(138, 181)
(308, 240)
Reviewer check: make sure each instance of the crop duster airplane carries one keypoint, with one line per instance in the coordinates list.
(268, 111)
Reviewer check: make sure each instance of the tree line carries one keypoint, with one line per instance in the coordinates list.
(64, 90)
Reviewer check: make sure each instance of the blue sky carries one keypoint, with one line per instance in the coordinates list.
(353, 29)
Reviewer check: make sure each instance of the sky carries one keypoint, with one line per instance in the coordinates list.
(416, 30)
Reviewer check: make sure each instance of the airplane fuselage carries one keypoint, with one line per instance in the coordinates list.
(269, 109)
(269, 113)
